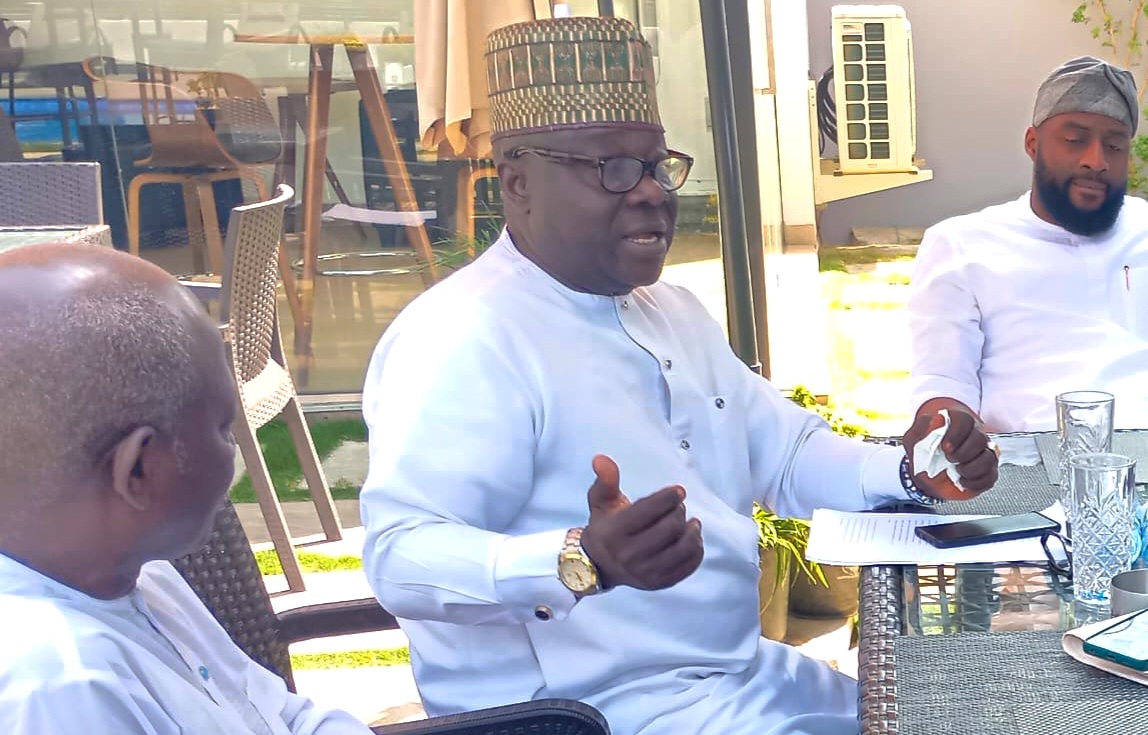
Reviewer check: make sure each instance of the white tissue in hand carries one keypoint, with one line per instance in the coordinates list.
(928, 457)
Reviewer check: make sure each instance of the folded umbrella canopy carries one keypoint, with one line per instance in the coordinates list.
(450, 76)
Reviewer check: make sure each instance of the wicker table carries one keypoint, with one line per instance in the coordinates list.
(14, 237)
(968, 600)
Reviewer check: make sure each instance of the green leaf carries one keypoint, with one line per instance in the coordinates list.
(790, 537)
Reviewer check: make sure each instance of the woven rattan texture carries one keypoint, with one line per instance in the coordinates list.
(50, 194)
(1006, 684)
(880, 620)
(1018, 490)
(1132, 444)
(265, 386)
(225, 576)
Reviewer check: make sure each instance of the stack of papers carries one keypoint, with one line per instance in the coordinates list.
(852, 539)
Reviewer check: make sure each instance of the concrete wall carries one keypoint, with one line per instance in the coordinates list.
(978, 64)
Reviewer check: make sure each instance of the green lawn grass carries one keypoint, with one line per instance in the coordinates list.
(352, 659)
(852, 257)
(268, 562)
(283, 464)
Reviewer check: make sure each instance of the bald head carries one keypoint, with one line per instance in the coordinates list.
(96, 343)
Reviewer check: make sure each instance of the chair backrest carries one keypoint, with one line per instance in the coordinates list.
(193, 117)
(226, 577)
(50, 193)
(243, 123)
(250, 288)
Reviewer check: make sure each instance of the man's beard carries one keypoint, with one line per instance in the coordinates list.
(1055, 198)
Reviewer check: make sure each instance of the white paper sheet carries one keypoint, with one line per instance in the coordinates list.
(889, 538)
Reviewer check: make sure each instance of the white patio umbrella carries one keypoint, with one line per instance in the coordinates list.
(450, 72)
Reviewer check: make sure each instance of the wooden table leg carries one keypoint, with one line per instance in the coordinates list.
(315, 154)
(379, 117)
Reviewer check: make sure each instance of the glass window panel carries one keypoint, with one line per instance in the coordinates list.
(238, 73)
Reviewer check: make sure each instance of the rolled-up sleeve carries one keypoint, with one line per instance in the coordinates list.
(944, 325)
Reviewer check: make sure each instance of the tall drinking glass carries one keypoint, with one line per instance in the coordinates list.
(1084, 424)
(1103, 490)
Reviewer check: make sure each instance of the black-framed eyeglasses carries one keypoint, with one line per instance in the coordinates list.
(1058, 553)
(620, 174)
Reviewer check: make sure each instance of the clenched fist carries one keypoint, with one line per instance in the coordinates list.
(965, 444)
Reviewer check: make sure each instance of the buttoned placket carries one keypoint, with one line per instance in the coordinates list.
(678, 432)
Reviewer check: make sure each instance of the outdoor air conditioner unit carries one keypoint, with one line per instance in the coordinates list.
(873, 86)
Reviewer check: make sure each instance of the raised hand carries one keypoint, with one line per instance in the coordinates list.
(647, 544)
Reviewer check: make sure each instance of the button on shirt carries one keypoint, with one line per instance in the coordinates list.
(154, 661)
(1007, 310)
(487, 398)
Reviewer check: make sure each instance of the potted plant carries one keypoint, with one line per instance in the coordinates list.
(781, 544)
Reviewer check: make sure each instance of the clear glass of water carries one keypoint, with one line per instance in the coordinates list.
(1102, 487)
(1083, 424)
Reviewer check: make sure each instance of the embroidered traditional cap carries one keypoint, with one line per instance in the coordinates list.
(562, 73)
(1088, 84)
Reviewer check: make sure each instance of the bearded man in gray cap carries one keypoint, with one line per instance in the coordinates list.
(1048, 293)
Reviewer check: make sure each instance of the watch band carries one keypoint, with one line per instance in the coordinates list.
(911, 488)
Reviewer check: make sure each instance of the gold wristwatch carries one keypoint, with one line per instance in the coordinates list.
(575, 570)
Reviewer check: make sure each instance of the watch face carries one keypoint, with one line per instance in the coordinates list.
(576, 575)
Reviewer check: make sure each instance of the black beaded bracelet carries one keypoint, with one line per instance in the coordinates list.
(911, 489)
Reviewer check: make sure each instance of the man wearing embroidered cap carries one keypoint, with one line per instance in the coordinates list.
(1048, 293)
(553, 431)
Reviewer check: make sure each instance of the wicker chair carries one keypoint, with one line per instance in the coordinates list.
(250, 326)
(50, 194)
(226, 577)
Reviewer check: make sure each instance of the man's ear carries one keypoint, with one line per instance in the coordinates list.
(134, 464)
(513, 178)
(1030, 142)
